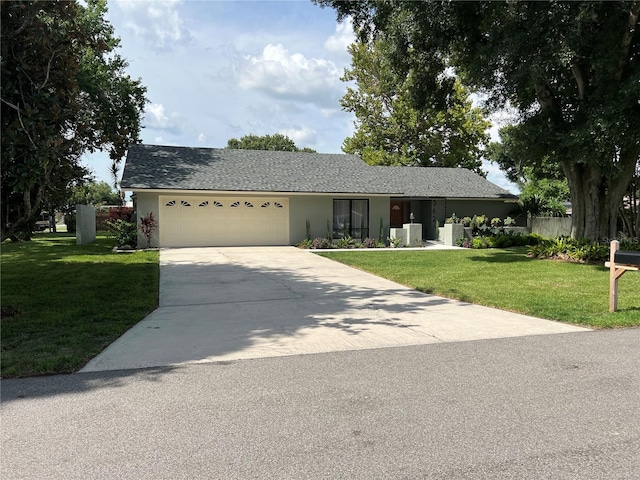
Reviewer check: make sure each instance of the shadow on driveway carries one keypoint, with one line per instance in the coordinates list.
(237, 303)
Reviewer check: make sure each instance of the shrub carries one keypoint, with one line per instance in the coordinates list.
(509, 222)
(466, 221)
(329, 231)
(534, 239)
(321, 244)
(632, 244)
(308, 230)
(306, 243)
(505, 241)
(479, 242)
(369, 243)
(481, 221)
(70, 222)
(124, 233)
(148, 225)
(452, 219)
(394, 242)
(496, 222)
(565, 248)
(465, 242)
(346, 242)
(491, 242)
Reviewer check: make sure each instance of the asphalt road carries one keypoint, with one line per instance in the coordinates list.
(561, 406)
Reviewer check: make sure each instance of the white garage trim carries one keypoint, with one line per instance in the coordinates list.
(215, 220)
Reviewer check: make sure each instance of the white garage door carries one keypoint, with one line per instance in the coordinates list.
(223, 221)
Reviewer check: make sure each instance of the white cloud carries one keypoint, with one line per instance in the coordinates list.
(202, 138)
(330, 112)
(341, 39)
(157, 22)
(156, 117)
(302, 137)
(291, 76)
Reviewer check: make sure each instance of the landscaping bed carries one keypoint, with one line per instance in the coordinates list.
(63, 303)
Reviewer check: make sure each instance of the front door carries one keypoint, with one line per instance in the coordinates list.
(397, 214)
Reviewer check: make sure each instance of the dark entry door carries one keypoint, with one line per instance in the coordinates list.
(397, 214)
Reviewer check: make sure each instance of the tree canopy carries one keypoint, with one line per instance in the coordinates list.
(571, 69)
(64, 93)
(392, 130)
(94, 193)
(276, 142)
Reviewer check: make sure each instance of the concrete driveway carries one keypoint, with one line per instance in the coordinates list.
(221, 304)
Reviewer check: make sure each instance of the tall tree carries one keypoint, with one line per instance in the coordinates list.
(64, 93)
(519, 159)
(94, 193)
(392, 130)
(543, 187)
(572, 69)
(277, 142)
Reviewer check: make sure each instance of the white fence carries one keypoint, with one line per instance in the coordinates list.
(552, 227)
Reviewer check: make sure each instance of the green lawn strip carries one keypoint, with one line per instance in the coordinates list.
(71, 301)
(507, 279)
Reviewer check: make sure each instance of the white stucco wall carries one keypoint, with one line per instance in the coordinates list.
(85, 224)
(146, 203)
(315, 208)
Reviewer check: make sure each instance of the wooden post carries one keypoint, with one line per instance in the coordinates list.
(613, 277)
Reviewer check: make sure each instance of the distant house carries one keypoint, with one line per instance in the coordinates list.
(225, 197)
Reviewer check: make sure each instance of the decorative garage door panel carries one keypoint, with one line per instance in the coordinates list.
(223, 221)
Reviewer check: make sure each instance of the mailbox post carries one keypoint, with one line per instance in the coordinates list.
(619, 263)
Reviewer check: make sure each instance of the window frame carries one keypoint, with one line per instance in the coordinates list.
(358, 231)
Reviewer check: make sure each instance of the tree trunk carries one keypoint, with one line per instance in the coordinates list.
(596, 195)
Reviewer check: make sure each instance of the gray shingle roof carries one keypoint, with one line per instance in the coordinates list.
(187, 168)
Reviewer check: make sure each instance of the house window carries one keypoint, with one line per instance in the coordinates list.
(350, 217)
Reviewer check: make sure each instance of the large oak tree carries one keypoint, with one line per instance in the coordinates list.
(64, 93)
(571, 69)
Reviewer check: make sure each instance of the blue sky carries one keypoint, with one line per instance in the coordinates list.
(215, 70)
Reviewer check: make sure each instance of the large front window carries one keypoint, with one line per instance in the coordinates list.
(350, 217)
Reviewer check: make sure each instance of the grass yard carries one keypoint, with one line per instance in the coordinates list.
(507, 279)
(62, 304)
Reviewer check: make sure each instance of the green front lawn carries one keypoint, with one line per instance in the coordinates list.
(62, 304)
(507, 279)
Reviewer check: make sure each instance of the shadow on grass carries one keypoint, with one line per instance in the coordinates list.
(517, 255)
(46, 247)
